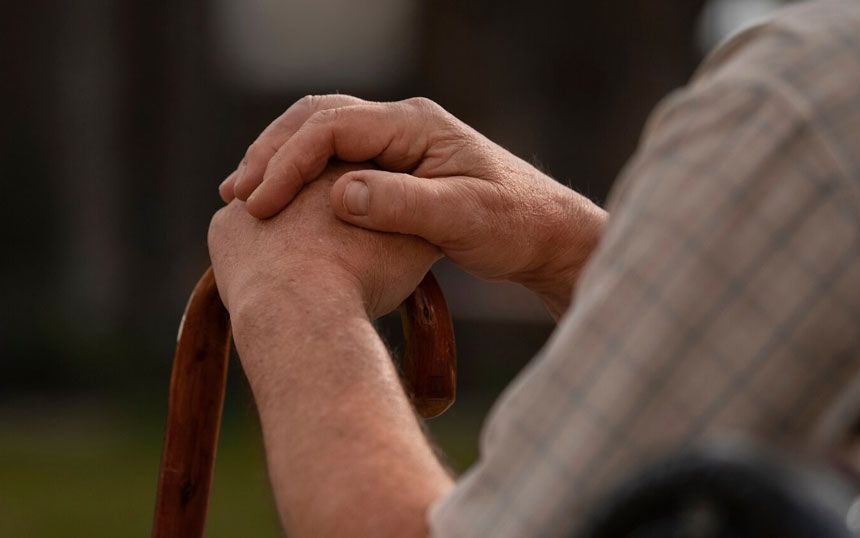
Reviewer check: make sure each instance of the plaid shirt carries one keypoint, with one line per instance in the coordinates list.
(724, 296)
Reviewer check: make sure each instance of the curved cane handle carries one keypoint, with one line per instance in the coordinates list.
(199, 376)
(429, 364)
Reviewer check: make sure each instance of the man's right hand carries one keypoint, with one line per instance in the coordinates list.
(490, 212)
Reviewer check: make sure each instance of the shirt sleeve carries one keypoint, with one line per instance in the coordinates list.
(724, 296)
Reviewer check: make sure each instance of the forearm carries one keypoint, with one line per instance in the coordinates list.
(346, 454)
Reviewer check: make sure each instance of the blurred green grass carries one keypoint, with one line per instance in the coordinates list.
(78, 471)
(86, 464)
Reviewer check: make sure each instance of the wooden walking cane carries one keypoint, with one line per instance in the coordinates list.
(198, 380)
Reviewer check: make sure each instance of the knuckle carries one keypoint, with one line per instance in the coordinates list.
(326, 115)
(273, 163)
(314, 103)
(421, 103)
(425, 106)
(308, 102)
(288, 173)
(255, 151)
(406, 203)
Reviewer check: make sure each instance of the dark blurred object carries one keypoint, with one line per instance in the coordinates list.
(734, 490)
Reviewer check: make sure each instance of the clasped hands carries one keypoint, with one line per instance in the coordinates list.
(299, 224)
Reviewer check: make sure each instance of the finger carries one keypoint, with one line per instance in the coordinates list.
(395, 202)
(394, 135)
(253, 165)
(225, 189)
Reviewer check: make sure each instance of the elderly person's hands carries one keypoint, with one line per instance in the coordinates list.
(306, 251)
(341, 438)
(487, 210)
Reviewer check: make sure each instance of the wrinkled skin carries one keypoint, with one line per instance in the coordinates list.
(306, 244)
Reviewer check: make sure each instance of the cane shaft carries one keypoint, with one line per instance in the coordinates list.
(193, 414)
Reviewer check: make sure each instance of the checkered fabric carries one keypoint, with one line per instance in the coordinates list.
(724, 297)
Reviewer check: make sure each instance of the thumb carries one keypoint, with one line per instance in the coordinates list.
(393, 202)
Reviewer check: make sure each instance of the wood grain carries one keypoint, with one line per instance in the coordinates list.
(429, 365)
(193, 414)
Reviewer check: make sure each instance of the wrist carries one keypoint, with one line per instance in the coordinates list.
(564, 243)
(272, 314)
(295, 291)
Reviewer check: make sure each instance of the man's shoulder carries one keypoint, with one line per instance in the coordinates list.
(819, 18)
(789, 38)
(806, 57)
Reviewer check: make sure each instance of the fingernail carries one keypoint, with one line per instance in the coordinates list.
(242, 168)
(356, 198)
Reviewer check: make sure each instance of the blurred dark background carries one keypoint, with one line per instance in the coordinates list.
(120, 119)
